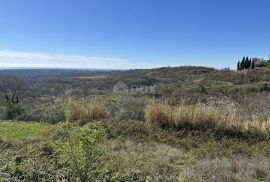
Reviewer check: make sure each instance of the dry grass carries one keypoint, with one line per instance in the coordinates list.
(162, 162)
(200, 116)
(93, 110)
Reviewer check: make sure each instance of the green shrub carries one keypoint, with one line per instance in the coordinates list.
(263, 86)
(83, 154)
(50, 112)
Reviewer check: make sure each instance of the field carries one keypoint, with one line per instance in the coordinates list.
(166, 124)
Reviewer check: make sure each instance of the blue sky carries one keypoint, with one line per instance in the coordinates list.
(132, 33)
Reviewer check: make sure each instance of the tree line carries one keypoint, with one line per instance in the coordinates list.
(246, 63)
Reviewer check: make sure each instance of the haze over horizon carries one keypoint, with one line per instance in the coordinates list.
(125, 34)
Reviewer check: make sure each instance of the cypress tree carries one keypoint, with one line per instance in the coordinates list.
(246, 62)
(238, 66)
(242, 64)
(249, 63)
(253, 64)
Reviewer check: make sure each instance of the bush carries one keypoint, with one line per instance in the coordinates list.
(263, 86)
(52, 111)
(83, 152)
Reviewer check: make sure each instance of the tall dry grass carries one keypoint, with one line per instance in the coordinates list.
(93, 110)
(200, 116)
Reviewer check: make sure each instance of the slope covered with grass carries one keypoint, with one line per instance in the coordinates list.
(134, 151)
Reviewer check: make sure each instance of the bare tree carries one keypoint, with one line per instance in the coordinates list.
(12, 88)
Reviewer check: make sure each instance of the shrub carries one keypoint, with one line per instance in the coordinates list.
(83, 153)
(47, 149)
(49, 112)
(53, 112)
(263, 86)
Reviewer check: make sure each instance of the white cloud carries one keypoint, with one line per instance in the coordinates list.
(37, 59)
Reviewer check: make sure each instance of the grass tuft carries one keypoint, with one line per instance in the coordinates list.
(93, 110)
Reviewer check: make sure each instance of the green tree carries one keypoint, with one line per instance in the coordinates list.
(253, 64)
(242, 64)
(246, 63)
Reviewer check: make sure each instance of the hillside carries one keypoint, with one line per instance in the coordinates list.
(165, 124)
(50, 87)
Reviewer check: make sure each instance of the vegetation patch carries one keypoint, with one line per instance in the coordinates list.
(199, 124)
(215, 84)
(91, 110)
(201, 116)
(133, 151)
(12, 130)
(263, 86)
(92, 77)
